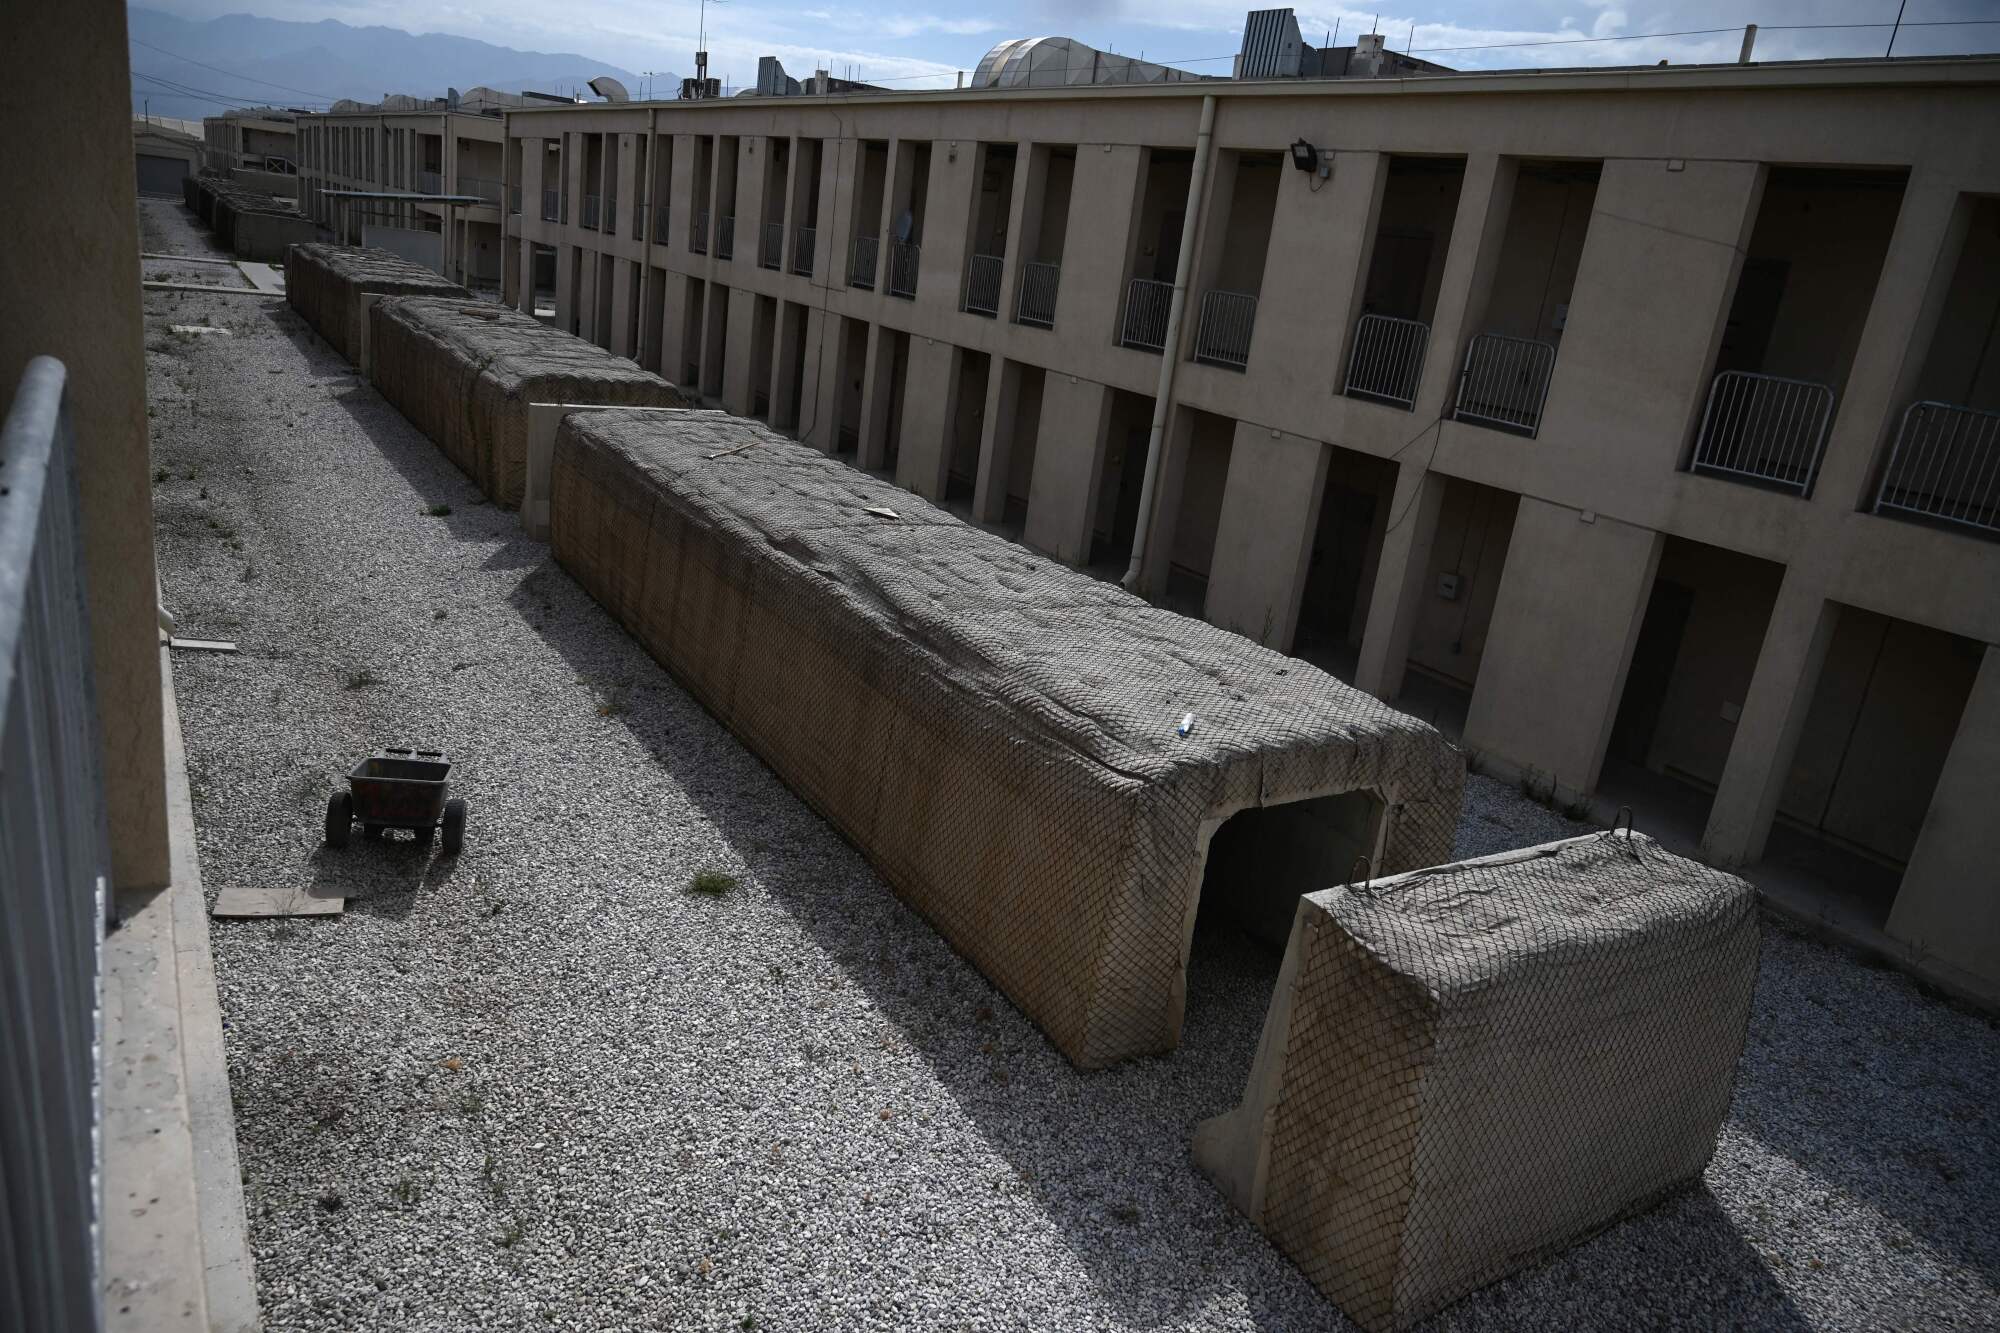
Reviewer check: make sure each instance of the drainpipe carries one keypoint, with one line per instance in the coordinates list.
(1170, 355)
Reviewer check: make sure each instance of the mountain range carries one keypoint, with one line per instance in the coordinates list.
(279, 63)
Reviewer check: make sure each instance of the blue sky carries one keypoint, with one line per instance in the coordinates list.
(925, 45)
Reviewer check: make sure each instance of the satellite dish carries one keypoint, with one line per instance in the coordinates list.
(609, 89)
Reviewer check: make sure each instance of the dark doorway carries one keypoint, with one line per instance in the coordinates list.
(1652, 671)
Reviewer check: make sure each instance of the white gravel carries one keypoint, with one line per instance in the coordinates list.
(544, 1086)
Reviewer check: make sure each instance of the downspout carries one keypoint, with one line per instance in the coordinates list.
(646, 229)
(1170, 354)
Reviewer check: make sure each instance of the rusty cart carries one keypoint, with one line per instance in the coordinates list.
(396, 788)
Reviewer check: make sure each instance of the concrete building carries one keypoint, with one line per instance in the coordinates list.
(165, 153)
(260, 139)
(1633, 424)
(422, 146)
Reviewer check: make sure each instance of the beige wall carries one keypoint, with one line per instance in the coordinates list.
(69, 274)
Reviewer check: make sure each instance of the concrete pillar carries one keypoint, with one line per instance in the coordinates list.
(1170, 484)
(996, 440)
(681, 202)
(740, 359)
(1949, 903)
(753, 153)
(1211, 240)
(1031, 174)
(1409, 526)
(715, 321)
(930, 405)
(876, 380)
(1556, 656)
(787, 335)
(1774, 713)
(1315, 269)
(955, 168)
(621, 304)
(672, 333)
(819, 393)
(1103, 209)
(629, 186)
(566, 264)
(1484, 199)
(1270, 506)
(839, 182)
(1069, 465)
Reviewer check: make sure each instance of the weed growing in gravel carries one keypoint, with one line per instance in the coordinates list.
(511, 1236)
(714, 883)
(437, 511)
(406, 1191)
(360, 678)
(470, 1102)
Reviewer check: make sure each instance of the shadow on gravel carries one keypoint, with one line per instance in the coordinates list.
(382, 877)
(1105, 1153)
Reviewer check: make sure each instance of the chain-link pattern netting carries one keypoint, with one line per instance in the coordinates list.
(1479, 1064)
(326, 284)
(464, 372)
(253, 223)
(998, 733)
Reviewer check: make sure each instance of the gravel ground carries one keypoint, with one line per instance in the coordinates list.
(546, 1086)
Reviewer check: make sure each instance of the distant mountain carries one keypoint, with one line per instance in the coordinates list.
(307, 64)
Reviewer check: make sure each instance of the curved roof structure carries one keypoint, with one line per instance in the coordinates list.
(1057, 62)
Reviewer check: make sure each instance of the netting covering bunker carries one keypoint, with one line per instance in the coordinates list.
(328, 284)
(464, 372)
(1468, 1068)
(1000, 735)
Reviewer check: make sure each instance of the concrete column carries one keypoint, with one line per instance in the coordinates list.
(1169, 485)
(1314, 272)
(1484, 199)
(621, 303)
(1556, 656)
(1103, 209)
(787, 333)
(1774, 713)
(1949, 903)
(819, 393)
(930, 404)
(630, 185)
(1270, 506)
(741, 356)
(1069, 465)
(955, 168)
(681, 200)
(876, 378)
(1031, 173)
(839, 199)
(565, 285)
(1409, 526)
(1916, 278)
(897, 187)
(672, 333)
(996, 440)
(1211, 239)
(796, 172)
(715, 318)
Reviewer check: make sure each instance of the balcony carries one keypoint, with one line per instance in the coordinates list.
(771, 254)
(1944, 467)
(639, 212)
(861, 267)
(660, 232)
(903, 256)
(1387, 363)
(725, 238)
(430, 182)
(552, 206)
(803, 244)
(1223, 336)
(1505, 382)
(1146, 305)
(513, 199)
(982, 285)
(486, 191)
(698, 234)
(593, 209)
(1036, 305)
(610, 218)
(1765, 429)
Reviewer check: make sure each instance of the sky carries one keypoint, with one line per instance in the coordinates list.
(916, 46)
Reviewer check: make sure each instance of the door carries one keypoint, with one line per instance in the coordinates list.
(161, 175)
(1652, 670)
(1752, 315)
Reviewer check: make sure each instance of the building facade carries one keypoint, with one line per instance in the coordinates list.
(1635, 425)
(259, 139)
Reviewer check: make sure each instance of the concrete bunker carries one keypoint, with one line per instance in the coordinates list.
(329, 286)
(1041, 764)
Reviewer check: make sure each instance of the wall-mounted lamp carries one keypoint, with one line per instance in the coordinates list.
(1304, 156)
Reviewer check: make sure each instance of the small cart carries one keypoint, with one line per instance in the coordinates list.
(397, 789)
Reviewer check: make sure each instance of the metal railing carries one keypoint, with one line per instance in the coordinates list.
(513, 198)
(698, 234)
(1146, 306)
(660, 232)
(1504, 382)
(773, 253)
(725, 238)
(552, 210)
(639, 212)
(53, 869)
(430, 182)
(1037, 303)
(804, 240)
(1764, 427)
(487, 191)
(1945, 464)
(1388, 359)
(903, 257)
(982, 284)
(592, 207)
(610, 215)
(861, 267)
(1223, 336)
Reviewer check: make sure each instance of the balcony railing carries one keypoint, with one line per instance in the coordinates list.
(593, 207)
(1037, 303)
(725, 238)
(1765, 428)
(804, 240)
(610, 215)
(53, 866)
(1388, 359)
(1505, 382)
(1146, 306)
(1223, 336)
(772, 255)
(903, 256)
(487, 191)
(1945, 465)
(861, 267)
(982, 285)
(660, 232)
(639, 212)
(513, 199)
(430, 182)
(698, 234)
(552, 209)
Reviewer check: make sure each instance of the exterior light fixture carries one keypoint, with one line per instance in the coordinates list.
(1304, 156)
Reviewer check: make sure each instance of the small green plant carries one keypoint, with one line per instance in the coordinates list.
(360, 678)
(407, 1191)
(438, 511)
(511, 1236)
(470, 1102)
(713, 883)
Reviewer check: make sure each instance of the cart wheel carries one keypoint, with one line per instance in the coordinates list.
(339, 818)
(373, 832)
(454, 826)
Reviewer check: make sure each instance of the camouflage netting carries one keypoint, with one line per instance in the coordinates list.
(1469, 1068)
(326, 284)
(464, 373)
(255, 224)
(999, 734)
